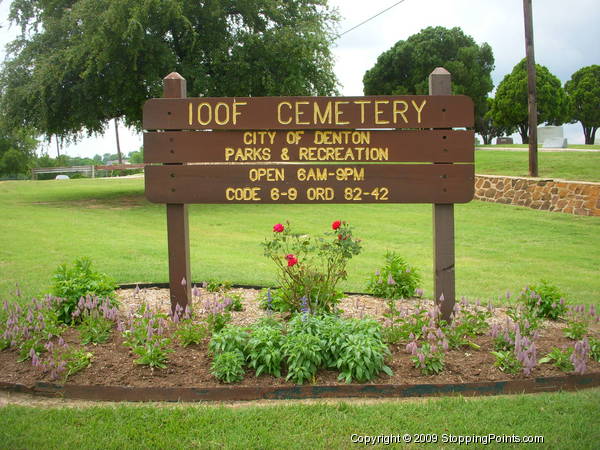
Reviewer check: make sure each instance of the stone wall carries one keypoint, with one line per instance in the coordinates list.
(571, 197)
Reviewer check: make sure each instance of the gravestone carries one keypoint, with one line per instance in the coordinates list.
(551, 137)
(504, 140)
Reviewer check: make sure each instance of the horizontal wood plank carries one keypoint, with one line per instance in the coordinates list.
(316, 183)
(309, 146)
(288, 113)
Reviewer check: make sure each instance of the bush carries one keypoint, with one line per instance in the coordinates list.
(229, 366)
(394, 280)
(231, 338)
(72, 283)
(264, 350)
(545, 300)
(310, 268)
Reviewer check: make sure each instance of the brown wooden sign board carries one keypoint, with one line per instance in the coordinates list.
(310, 150)
(305, 113)
(316, 146)
(311, 183)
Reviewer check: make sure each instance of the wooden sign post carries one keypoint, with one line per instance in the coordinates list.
(377, 149)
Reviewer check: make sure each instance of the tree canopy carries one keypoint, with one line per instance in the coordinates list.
(404, 69)
(80, 63)
(488, 128)
(510, 105)
(583, 91)
(17, 150)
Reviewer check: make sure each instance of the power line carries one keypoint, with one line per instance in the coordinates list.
(371, 18)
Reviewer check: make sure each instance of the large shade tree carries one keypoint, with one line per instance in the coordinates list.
(80, 63)
(510, 105)
(583, 90)
(404, 69)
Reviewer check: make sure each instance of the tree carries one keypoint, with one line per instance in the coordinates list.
(488, 129)
(81, 63)
(17, 150)
(510, 105)
(583, 91)
(404, 69)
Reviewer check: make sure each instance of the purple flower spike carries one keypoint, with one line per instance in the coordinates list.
(421, 357)
(507, 295)
(61, 342)
(183, 282)
(419, 292)
(390, 280)
(442, 298)
(196, 291)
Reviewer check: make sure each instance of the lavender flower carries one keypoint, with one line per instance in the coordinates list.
(580, 355)
(196, 291)
(419, 292)
(183, 282)
(390, 280)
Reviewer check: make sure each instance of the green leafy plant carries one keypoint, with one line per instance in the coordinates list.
(228, 367)
(507, 361)
(408, 325)
(361, 357)
(80, 280)
(560, 359)
(217, 286)
(231, 338)
(578, 322)
(310, 269)
(545, 300)
(154, 352)
(303, 355)
(235, 303)
(95, 329)
(264, 350)
(189, 333)
(595, 349)
(144, 333)
(396, 279)
(429, 359)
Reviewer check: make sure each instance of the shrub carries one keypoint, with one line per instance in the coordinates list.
(189, 332)
(545, 300)
(228, 367)
(559, 358)
(80, 280)
(264, 350)
(303, 354)
(231, 338)
(361, 357)
(396, 279)
(311, 268)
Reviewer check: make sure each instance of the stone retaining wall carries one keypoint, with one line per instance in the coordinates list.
(571, 197)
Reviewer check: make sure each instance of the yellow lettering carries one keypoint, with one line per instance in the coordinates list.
(190, 116)
(248, 138)
(207, 106)
(362, 104)
(419, 109)
(236, 113)
(339, 113)
(379, 112)
(218, 120)
(324, 117)
(229, 152)
(300, 113)
(398, 111)
(279, 116)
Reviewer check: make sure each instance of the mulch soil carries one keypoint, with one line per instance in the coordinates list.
(113, 363)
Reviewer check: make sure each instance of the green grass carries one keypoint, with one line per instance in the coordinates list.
(565, 420)
(498, 247)
(576, 146)
(582, 166)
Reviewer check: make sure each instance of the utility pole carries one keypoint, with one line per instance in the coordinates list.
(531, 90)
(118, 145)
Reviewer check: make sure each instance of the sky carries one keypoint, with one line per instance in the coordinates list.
(566, 36)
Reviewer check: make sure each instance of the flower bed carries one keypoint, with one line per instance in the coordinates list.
(113, 362)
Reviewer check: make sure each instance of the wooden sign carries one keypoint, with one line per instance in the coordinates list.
(309, 183)
(310, 150)
(299, 113)
(310, 146)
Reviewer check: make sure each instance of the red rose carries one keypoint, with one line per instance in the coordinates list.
(335, 225)
(278, 228)
(292, 260)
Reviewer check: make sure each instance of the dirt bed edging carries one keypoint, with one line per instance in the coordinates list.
(246, 393)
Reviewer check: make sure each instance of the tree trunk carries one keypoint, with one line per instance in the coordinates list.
(590, 134)
(487, 139)
(118, 145)
(523, 131)
(57, 147)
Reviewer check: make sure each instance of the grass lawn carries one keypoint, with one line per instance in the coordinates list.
(577, 146)
(564, 420)
(582, 166)
(498, 247)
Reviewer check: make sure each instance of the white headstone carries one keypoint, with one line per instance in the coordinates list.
(551, 137)
(62, 177)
